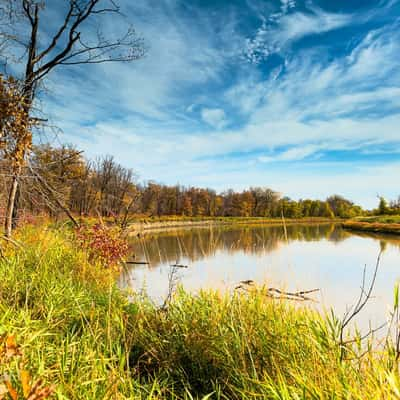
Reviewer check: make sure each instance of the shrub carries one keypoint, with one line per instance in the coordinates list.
(103, 244)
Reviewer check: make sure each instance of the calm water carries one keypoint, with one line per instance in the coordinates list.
(308, 257)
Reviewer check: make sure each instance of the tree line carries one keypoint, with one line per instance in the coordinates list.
(57, 180)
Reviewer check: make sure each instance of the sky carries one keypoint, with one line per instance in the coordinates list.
(299, 96)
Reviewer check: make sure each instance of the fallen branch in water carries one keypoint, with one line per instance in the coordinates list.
(280, 294)
(296, 294)
(179, 266)
(137, 262)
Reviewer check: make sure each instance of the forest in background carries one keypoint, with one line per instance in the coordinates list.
(42, 180)
(61, 179)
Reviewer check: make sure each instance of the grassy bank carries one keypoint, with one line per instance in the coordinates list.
(378, 224)
(67, 324)
(381, 219)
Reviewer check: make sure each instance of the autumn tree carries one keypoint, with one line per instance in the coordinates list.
(77, 40)
(15, 136)
(83, 191)
(265, 201)
(60, 168)
(84, 187)
(187, 207)
(150, 199)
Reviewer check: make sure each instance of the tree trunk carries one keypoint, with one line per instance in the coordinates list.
(28, 96)
(10, 205)
(16, 207)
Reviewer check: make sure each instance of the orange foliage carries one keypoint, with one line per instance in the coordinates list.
(15, 132)
(9, 349)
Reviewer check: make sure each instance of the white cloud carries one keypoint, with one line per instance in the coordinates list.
(182, 55)
(312, 87)
(214, 116)
(298, 25)
(140, 113)
(293, 154)
(273, 38)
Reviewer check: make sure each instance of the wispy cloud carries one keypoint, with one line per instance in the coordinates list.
(195, 111)
(276, 34)
(214, 116)
(293, 154)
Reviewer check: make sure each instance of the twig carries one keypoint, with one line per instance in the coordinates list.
(46, 185)
(369, 333)
(172, 282)
(361, 302)
(179, 266)
(12, 241)
(137, 262)
(298, 294)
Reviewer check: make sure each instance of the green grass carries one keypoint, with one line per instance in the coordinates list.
(78, 332)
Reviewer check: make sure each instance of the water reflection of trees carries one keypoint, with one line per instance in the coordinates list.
(385, 239)
(195, 244)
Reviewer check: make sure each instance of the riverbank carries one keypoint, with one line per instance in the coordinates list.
(64, 322)
(164, 223)
(385, 224)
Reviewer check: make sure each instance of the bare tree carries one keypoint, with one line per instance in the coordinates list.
(78, 39)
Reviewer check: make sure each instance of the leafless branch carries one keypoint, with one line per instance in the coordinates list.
(52, 192)
(365, 295)
(173, 279)
(75, 51)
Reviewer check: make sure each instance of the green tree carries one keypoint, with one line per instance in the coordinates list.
(383, 207)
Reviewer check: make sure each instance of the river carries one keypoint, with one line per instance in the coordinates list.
(300, 257)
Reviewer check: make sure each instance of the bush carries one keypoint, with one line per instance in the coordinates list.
(103, 244)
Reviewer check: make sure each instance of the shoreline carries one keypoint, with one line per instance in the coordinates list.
(373, 227)
(151, 226)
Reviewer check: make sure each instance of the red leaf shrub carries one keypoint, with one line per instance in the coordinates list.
(102, 243)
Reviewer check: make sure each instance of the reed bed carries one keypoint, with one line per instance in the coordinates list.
(73, 329)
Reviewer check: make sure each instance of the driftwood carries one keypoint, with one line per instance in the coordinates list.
(295, 294)
(137, 262)
(179, 266)
(279, 294)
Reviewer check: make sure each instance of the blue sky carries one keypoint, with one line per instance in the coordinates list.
(299, 96)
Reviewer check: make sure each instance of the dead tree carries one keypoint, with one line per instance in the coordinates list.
(77, 40)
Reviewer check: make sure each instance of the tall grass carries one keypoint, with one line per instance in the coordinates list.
(78, 332)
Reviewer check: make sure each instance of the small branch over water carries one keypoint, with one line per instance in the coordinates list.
(279, 294)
